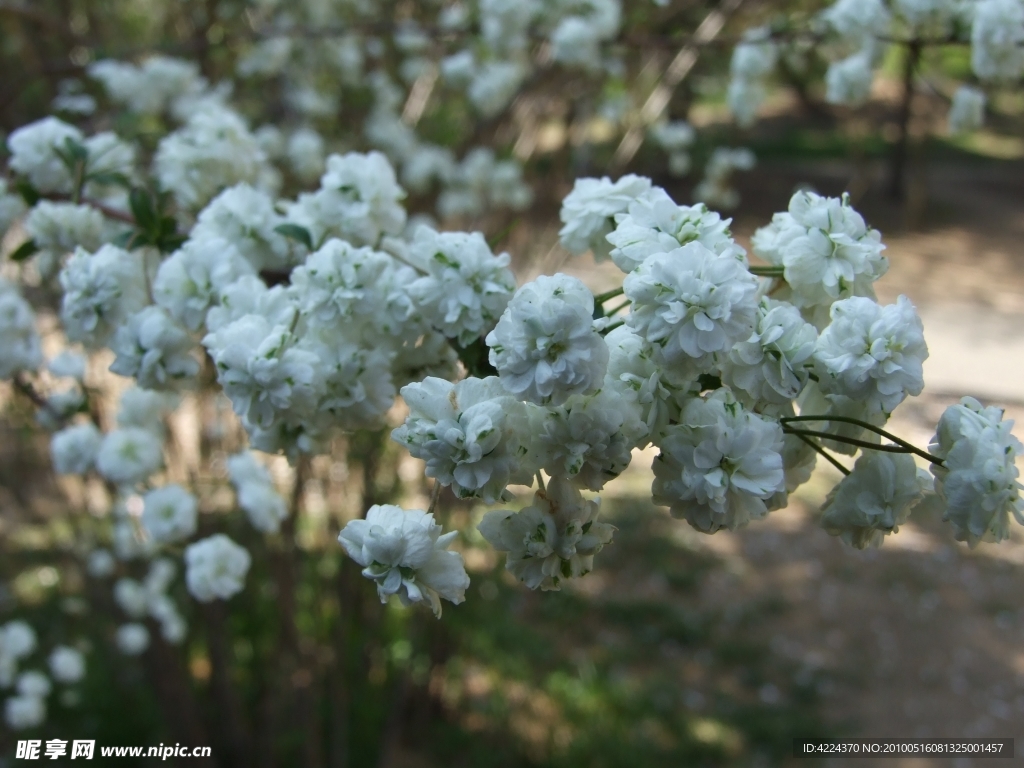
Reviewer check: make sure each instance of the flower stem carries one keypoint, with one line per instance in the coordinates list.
(621, 306)
(909, 447)
(848, 440)
(831, 459)
(603, 297)
(540, 481)
(609, 328)
(768, 271)
(434, 496)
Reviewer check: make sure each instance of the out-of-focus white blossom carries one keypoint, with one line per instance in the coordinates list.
(154, 349)
(61, 227)
(100, 563)
(545, 347)
(190, 280)
(36, 151)
(216, 568)
(848, 81)
(714, 189)
(67, 665)
(132, 639)
(752, 63)
(997, 39)
(169, 514)
(74, 449)
(21, 712)
(129, 455)
(101, 291)
(859, 22)
(246, 218)
(212, 151)
(306, 153)
(150, 87)
(553, 539)
(406, 554)
(256, 493)
(19, 342)
(967, 112)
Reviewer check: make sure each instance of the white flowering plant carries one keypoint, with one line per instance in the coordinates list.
(192, 340)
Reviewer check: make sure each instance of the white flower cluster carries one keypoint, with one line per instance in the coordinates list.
(977, 479)
(714, 189)
(216, 568)
(753, 62)
(588, 212)
(553, 539)
(149, 598)
(256, 493)
(26, 707)
(405, 553)
(19, 341)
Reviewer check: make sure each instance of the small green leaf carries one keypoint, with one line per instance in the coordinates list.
(297, 233)
(27, 191)
(142, 209)
(24, 250)
(110, 179)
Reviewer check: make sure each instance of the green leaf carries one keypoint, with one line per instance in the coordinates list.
(27, 191)
(142, 209)
(110, 179)
(297, 233)
(123, 239)
(24, 250)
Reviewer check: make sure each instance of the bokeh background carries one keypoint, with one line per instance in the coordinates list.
(679, 649)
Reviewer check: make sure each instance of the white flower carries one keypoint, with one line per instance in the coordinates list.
(859, 22)
(100, 563)
(19, 342)
(154, 349)
(848, 81)
(61, 227)
(588, 439)
(744, 98)
(169, 514)
(875, 499)
(772, 365)
(36, 151)
(691, 304)
(212, 151)
(977, 479)
(752, 63)
(356, 388)
(634, 376)
(872, 354)
(68, 364)
(12, 207)
(250, 296)
(132, 639)
(101, 291)
(190, 280)
(719, 465)
(470, 434)
(928, 18)
(150, 87)
(672, 136)
(33, 683)
(655, 224)
(261, 370)
(74, 449)
(17, 639)
(545, 346)
(256, 494)
(405, 553)
(131, 597)
(997, 35)
(588, 212)
(246, 218)
(553, 539)
(23, 712)
(826, 248)
(67, 665)
(494, 85)
(129, 455)
(358, 201)
(145, 409)
(967, 113)
(306, 153)
(348, 287)
(216, 568)
(465, 288)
